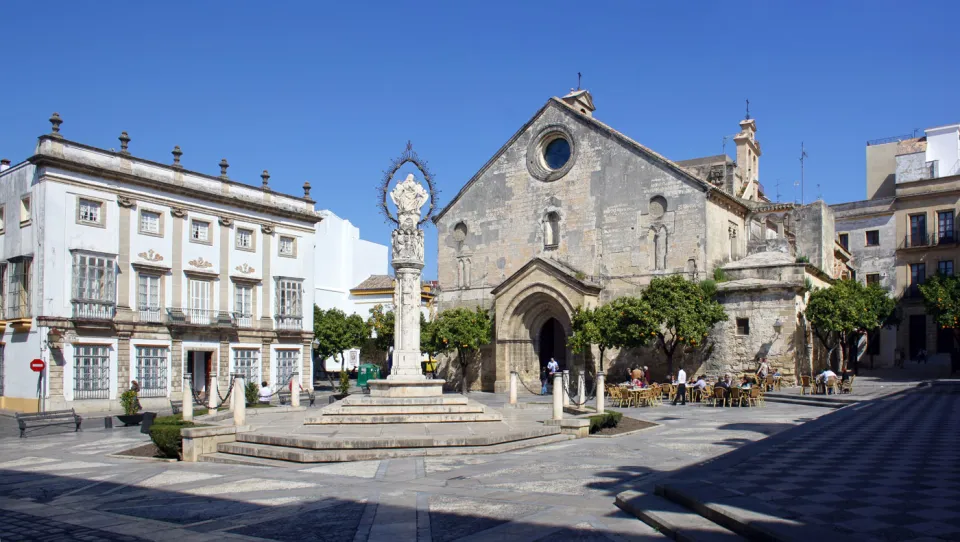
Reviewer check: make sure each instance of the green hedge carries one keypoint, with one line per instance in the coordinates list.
(165, 434)
(609, 418)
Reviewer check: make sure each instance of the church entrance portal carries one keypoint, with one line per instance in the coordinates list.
(553, 343)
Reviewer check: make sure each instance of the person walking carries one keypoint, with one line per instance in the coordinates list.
(543, 381)
(552, 368)
(681, 387)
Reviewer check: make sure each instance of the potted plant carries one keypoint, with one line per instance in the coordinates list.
(130, 402)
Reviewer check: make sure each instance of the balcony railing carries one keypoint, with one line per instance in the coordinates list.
(242, 320)
(912, 292)
(94, 310)
(17, 310)
(291, 323)
(199, 317)
(151, 314)
(930, 239)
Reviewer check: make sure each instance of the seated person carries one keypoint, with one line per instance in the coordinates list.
(265, 393)
(721, 383)
(746, 383)
(646, 375)
(637, 383)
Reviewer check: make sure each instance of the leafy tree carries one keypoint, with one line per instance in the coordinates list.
(625, 322)
(941, 295)
(382, 322)
(336, 333)
(844, 311)
(462, 330)
(685, 311)
(428, 339)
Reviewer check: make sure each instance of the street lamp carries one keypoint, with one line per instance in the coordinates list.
(778, 325)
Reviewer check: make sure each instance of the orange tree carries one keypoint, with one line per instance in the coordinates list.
(941, 295)
(464, 331)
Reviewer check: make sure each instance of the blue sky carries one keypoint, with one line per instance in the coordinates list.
(330, 93)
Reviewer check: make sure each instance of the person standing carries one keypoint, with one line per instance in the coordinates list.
(543, 381)
(681, 387)
(552, 368)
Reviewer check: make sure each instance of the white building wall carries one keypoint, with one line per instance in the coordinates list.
(943, 146)
(342, 261)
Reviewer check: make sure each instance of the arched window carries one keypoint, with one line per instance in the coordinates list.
(551, 230)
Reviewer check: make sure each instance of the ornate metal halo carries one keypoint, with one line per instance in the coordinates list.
(409, 155)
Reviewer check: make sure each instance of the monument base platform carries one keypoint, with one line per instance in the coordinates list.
(406, 387)
(370, 409)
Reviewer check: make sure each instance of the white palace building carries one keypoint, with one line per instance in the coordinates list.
(115, 269)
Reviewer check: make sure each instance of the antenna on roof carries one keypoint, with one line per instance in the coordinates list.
(778, 190)
(803, 157)
(748, 110)
(579, 75)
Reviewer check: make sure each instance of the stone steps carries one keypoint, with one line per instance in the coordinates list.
(409, 409)
(673, 520)
(367, 400)
(810, 400)
(340, 419)
(245, 450)
(250, 461)
(359, 443)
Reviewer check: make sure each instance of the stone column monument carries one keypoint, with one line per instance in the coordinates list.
(406, 378)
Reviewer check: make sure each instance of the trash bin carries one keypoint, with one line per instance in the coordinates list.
(367, 371)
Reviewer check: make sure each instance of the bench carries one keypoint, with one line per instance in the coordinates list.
(305, 396)
(49, 418)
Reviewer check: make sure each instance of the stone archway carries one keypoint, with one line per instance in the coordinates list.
(552, 344)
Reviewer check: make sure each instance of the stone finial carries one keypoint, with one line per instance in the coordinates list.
(124, 142)
(266, 179)
(55, 122)
(223, 168)
(306, 190)
(177, 153)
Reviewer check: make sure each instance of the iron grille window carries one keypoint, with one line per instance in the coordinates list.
(286, 364)
(91, 372)
(18, 292)
(245, 362)
(289, 298)
(152, 371)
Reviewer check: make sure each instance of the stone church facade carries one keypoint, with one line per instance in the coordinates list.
(570, 212)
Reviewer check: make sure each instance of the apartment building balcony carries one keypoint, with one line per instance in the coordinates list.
(199, 317)
(18, 315)
(242, 320)
(929, 240)
(289, 323)
(93, 313)
(151, 315)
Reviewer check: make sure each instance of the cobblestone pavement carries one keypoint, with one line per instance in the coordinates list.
(884, 470)
(69, 486)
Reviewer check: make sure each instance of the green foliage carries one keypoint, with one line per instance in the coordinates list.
(464, 331)
(625, 322)
(845, 310)
(428, 338)
(165, 434)
(941, 296)
(807, 284)
(802, 259)
(719, 275)
(684, 310)
(382, 322)
(610, 418)
(252, 393)
(336, 332)
(129, 402)
(580, 275)
(344, 387)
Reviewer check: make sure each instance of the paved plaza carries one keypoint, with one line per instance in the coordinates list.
(69, 485)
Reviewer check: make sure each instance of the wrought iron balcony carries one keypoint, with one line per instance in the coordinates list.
(242, 320)
(289, 323)
(946, 237)
(17, 310)
(199, 317)
(94, 310)
(151, 314)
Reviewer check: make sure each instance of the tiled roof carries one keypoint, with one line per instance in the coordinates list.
(376, 282)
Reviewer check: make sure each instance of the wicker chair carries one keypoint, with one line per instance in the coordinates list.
(831, 384)
(769, 383)
(804, 384)
(720, 396)
(847, 385)
(755, 398)
(736, 396)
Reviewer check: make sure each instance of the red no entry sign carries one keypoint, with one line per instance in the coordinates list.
(37, 365)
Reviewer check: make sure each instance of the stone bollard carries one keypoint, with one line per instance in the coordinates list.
(566, 388)
(558, 396)
(239, 402)
(513, 387)
(601, 390)
(295, 390)
(187, 407)
(581, 393)
(213, 395)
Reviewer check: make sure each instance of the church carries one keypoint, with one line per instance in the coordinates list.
(570, 212)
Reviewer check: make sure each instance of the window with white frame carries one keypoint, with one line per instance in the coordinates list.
(288, 246)
(286, 365)
(244, 239)
(89, 212)
(94, 285)
(18, 289)
(289, 299)
(243, 304)
(25, 210)
(245, 362)
(199, 311)
(149, 222)
(91, 372)
(152, 370)
(148, 297)
(200, 231)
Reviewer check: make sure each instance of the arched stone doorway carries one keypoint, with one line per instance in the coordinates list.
(552, 343)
